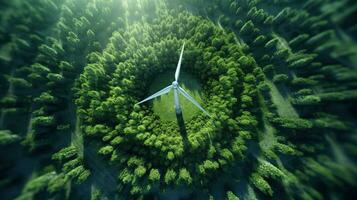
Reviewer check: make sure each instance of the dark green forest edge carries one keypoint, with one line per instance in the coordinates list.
(278, 77)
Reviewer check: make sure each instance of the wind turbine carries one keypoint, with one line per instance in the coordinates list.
(177, 90)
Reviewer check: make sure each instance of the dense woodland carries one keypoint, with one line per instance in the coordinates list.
(278, 77)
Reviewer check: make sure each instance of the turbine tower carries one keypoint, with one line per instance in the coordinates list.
(177, 90)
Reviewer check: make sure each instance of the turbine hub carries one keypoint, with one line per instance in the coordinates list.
(175, 84)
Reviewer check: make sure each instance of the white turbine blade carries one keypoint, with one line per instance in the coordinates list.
(159, 93)
(185, 94)
(177, 73)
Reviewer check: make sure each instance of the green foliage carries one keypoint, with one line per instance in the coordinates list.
(57, 183)
(65, 153)
(98, 129)
(55, 77)
(170, 176)
(291, 123)
(320, 38)
(331, 122)
(267, 170)
(154, 175)
(261, 184)
(247, 28)
(259, 41)
(338, 96)
(106, 150)
(79, 173)
(7, 137)
(307, 100)
(48, 51)
(299, 81)
(184, 177)
(271, 44)
(19, 82)
(280, 78)
(231, 196)
(43, 121)
(66, 66)
(140, 171)
(286, 149)
(282, 16)
(45, 98)
(298, 40)
(35, 185)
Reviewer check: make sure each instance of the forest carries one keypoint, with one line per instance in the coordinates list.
(278, 77)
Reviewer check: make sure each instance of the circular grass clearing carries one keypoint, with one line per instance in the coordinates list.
(164, 106)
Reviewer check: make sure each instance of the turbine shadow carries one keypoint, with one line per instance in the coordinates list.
(182, 129)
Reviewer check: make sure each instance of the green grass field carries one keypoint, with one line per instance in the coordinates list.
(164, 106)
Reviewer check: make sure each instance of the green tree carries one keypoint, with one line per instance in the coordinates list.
(247, 28)
(7, 137)
(261, 184)
(57, 183)
(280, 78)
(106, 150)
(140, 171)
(259, 41)
(35, 185)
(231, 196)
(271, 44)
(267, 170)
(154, 175)
(170, 176)
(298, 40)
(320, 38)
(65, 153)
(184, 176)
(19, 82)
(43, 121)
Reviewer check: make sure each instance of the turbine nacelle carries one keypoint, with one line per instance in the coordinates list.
(177, 90)
(175, 84)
